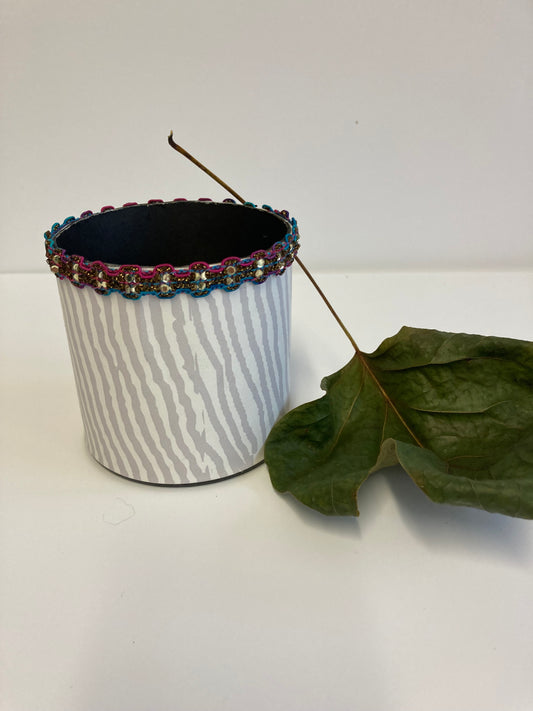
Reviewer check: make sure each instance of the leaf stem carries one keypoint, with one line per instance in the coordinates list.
(328, 304)
(308, 274)
(302, 266)
(196, 162)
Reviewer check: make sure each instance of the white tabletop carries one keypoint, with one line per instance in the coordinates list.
(115, 595)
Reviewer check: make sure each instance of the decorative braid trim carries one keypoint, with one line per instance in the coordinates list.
(164, 280)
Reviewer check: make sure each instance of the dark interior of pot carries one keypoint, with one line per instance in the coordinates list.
(176, 233)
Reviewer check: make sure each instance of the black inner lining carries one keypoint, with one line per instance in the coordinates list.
(176, 233)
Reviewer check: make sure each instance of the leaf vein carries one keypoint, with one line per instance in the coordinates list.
(385, 418)
(432, 364)
(348, 415)
(388, 399)
(459, 412)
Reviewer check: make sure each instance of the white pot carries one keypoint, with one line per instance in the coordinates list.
(181, 373)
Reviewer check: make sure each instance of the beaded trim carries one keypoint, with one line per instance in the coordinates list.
(165, 280)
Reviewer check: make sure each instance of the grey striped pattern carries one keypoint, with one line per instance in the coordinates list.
(184, 390)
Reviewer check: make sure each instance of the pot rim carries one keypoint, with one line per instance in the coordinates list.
(165, 280)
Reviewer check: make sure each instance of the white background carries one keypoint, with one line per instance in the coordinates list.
(397, 132)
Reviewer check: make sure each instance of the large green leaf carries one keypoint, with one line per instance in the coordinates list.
(454, 410)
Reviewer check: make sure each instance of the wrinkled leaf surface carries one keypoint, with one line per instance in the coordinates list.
(454, 410)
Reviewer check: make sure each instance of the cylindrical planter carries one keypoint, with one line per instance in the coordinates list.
(178, 322)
